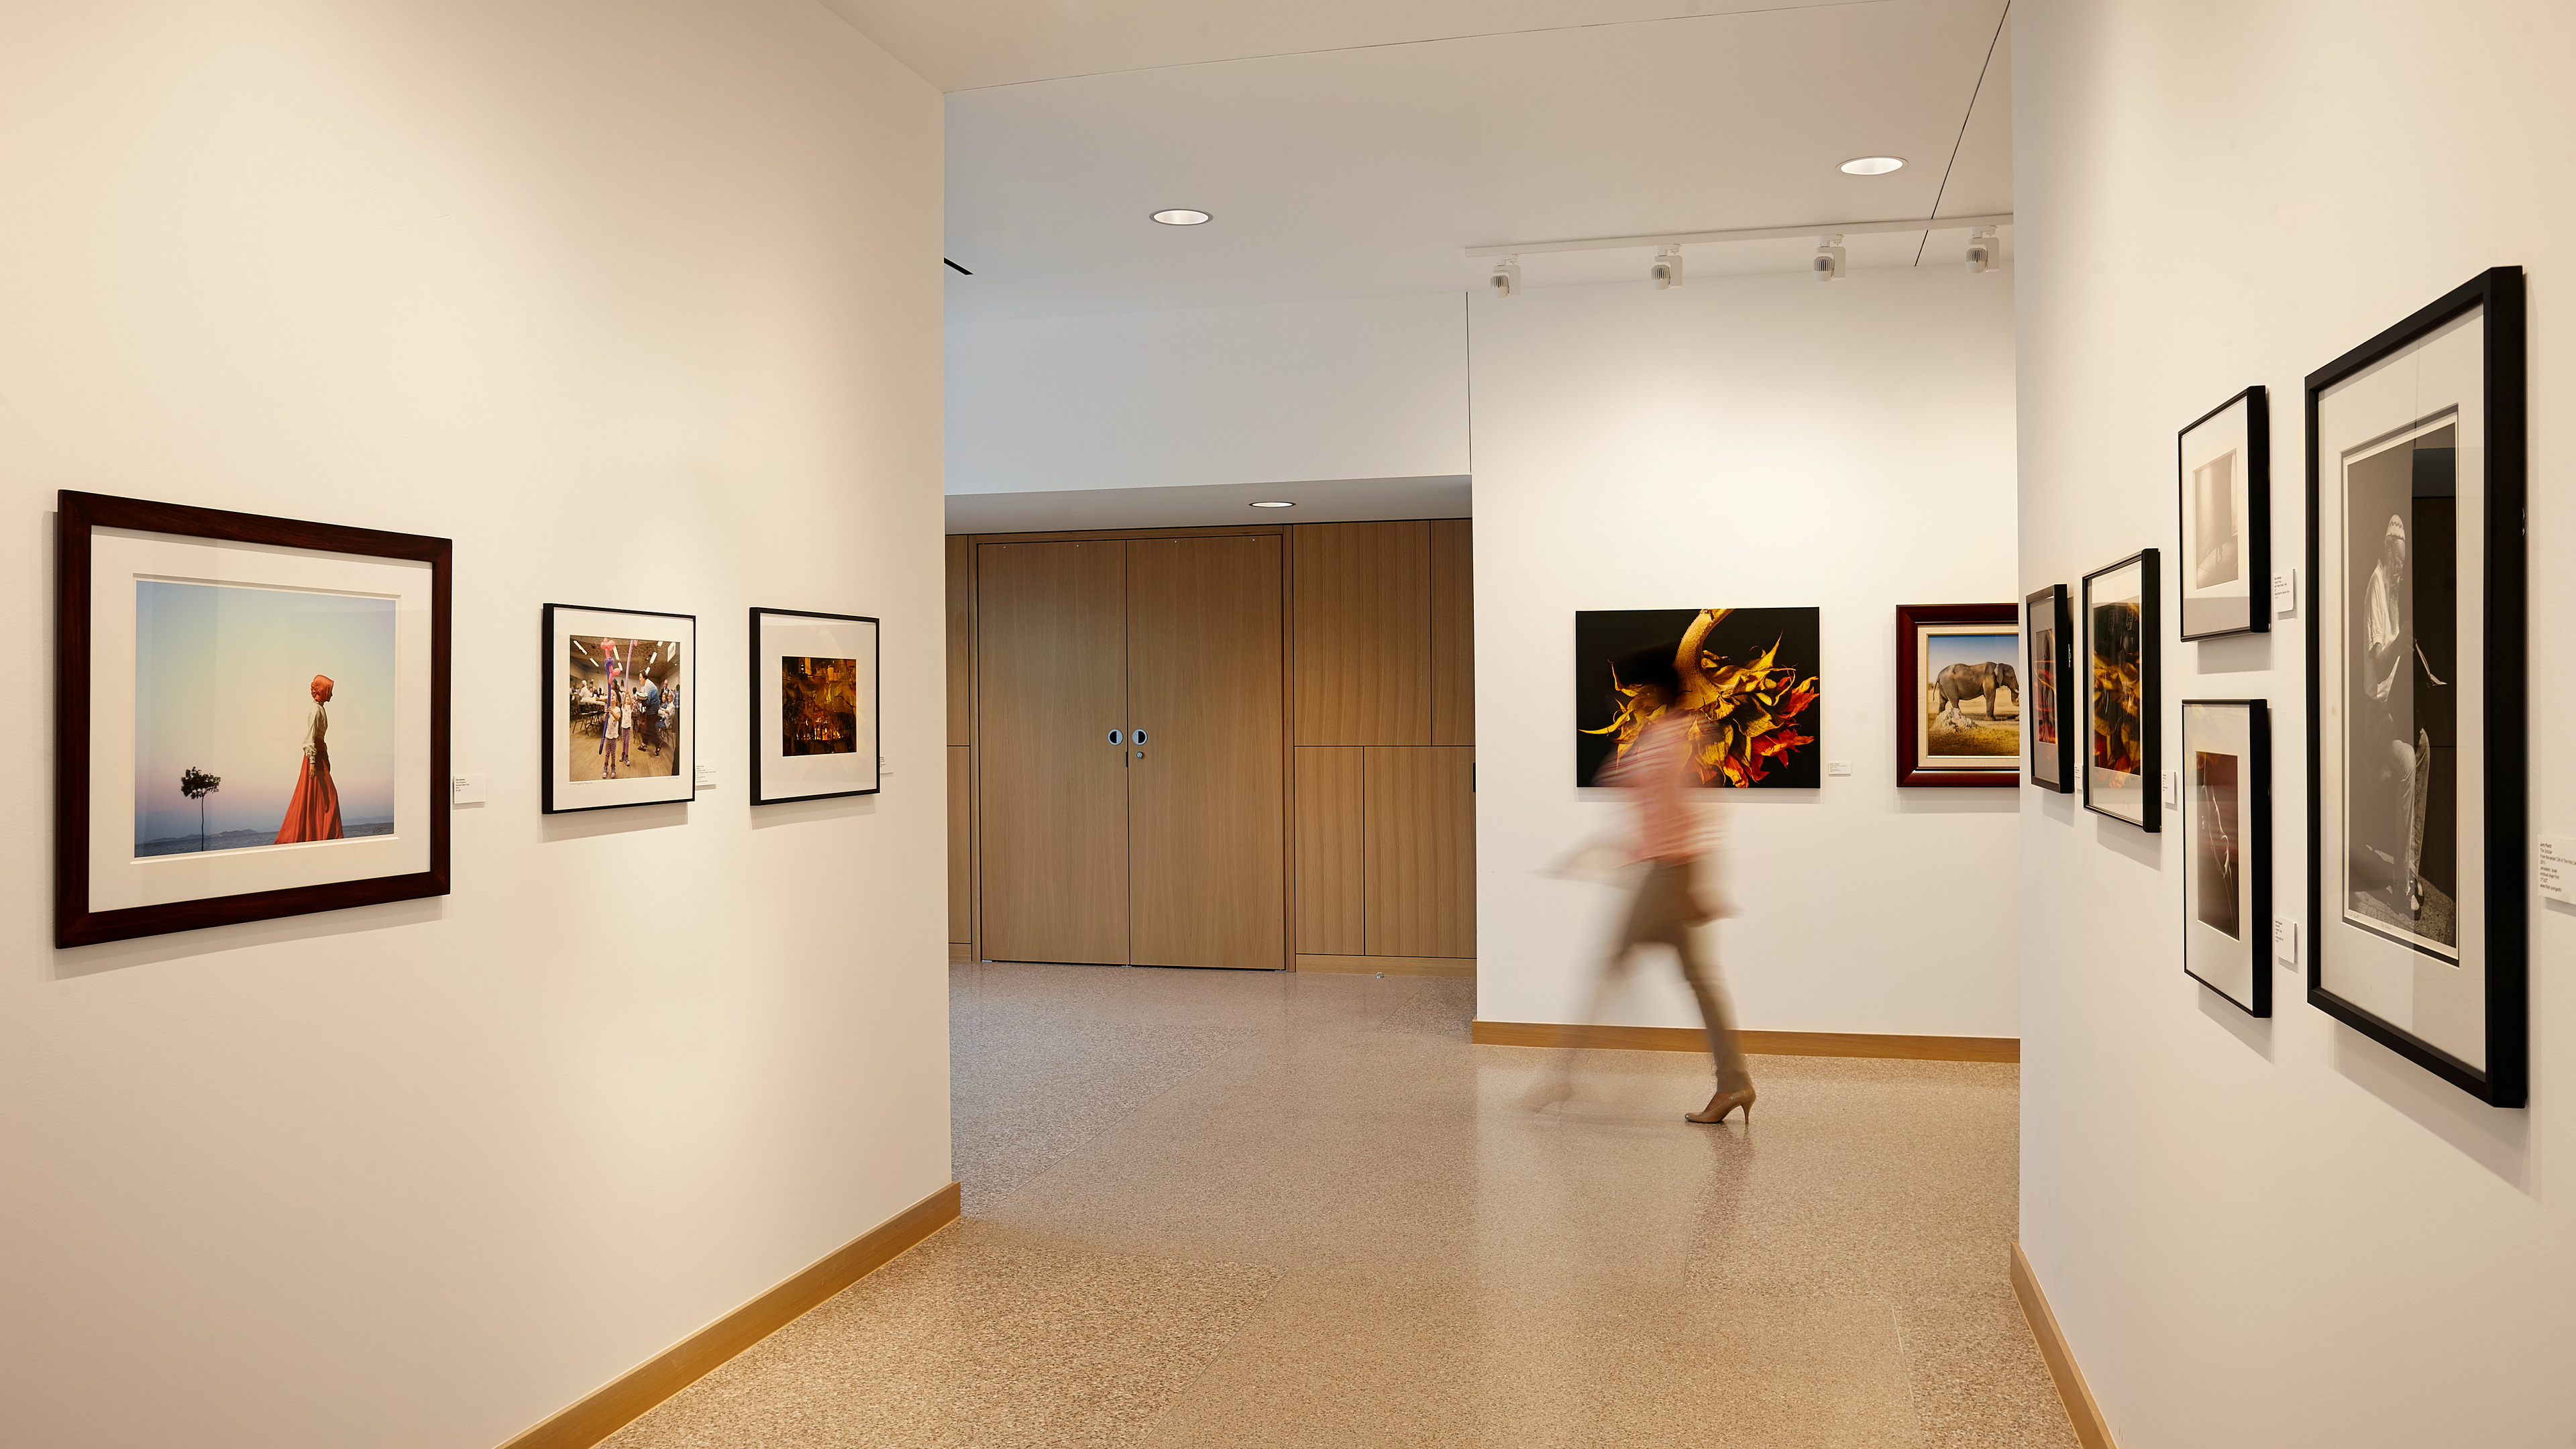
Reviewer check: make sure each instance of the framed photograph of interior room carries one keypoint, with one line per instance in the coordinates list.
(2124, 692)
(1748, 675)
(2049, 633)
(2416, 692)
(2227, 848)
(813, 705)
(251, 718)
(620, 708)
(2224, 464)
(1959, 701)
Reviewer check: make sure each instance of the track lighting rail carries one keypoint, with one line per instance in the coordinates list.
(1768, 233)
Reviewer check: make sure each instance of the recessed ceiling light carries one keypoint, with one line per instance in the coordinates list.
(1873, 165)
(1181, 216)
(1274, 504)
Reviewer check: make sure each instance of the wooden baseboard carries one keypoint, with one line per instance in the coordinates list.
(623, 1400)
(960, 952)
(2091, 1429)
(1758, 1043)
(1391, 965)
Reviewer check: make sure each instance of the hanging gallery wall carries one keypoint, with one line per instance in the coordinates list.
(2051, 634)
(619, 708)
(2416, 691)
(2224, 483)
(2227, 848)
(1748, 675)
(251, 719)
(1959, 700)
(813, 705)
(2123, 679)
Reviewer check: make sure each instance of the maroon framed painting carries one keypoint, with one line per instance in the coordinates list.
(251, 718)
(1958, 694)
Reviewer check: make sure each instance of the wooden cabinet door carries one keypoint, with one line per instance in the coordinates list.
(1051, 671)
(1207, 786)
(1418, 811)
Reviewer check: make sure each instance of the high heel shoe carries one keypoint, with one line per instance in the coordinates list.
(1721, 1104)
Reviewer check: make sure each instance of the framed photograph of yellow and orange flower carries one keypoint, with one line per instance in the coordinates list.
(813, 705)
(1958, 695)
(1747, 676)
(252, 718)
(2124, 690)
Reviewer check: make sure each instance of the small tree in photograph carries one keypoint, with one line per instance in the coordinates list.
(196, 784)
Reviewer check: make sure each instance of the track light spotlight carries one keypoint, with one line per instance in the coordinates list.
(1506, 280)
(1981, 250)
(1828, 263)
(1667, 268)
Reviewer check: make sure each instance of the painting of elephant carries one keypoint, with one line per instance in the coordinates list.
(1959, 683)
(1968, 677)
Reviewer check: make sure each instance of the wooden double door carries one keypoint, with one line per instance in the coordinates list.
(1130, 751)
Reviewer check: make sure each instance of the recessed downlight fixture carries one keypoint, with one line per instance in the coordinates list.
(1182, 216)
(1274, 504)
(1873, 165)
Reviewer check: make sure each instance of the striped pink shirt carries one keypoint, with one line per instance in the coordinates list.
(1657, 770)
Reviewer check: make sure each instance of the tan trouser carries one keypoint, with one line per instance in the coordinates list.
(1659, 917)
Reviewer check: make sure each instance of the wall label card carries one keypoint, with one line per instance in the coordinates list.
(2556, 869)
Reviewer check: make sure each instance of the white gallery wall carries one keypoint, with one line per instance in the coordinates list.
(1747, 441)
(1372, 387)
(639, 305)
(2277, 1232)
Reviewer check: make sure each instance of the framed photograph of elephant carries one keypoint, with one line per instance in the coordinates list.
(1958, 695)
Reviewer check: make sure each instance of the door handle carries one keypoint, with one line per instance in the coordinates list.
(1113, 737)
(1140, 737)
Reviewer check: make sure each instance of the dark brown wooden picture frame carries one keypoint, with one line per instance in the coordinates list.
(80, 515)
(1910, 685)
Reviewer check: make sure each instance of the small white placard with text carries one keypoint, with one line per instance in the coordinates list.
(2285, 593)
(2285, 940)
(2557, 869)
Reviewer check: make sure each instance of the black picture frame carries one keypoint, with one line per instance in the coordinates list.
(1911, 770)
(760, 782)
(2251, 847)
(556, 793)
(2052, 766)
(2150, 691)
(2498, 296)
(79, 517)
(2216, 618)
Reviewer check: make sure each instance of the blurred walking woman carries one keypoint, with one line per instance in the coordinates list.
(314, 813)
(1672, 898)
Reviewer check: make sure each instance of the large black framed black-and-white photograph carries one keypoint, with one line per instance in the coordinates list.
(2416, 692)
(2224, 473)
(813, 705)
(2227, 848)
(2123, 691)
(2048, 633)
(620, 708)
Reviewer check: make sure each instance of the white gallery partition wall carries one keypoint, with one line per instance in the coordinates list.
(640, 307)
(2284, 1230)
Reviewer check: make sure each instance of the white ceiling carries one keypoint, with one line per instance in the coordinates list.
(1354, 148)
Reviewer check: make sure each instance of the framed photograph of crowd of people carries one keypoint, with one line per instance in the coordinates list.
(251, 719)
(2224, 478)
(2122, 744)
(2227, 848)
(1960, 707)
(620, 708)
(2416, 692)
(813, 705)
(2048, 633)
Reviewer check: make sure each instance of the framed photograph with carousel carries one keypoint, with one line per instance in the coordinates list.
(619, 708)
(813, 705)
(2416, 736)
(2048, 632)
(1959, 700)
(251, 717)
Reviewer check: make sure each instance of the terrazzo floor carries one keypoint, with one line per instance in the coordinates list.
(1229, 1208)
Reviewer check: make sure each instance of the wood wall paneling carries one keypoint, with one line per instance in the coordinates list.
(1207, 786)
(1329, 881)
(1419, 832)
(961, 643)
(1051, 791)
(1363, 627)
(961, 858)
(1453, 632)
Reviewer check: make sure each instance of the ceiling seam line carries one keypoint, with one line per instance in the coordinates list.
(1427, 40)
(1944, 189)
